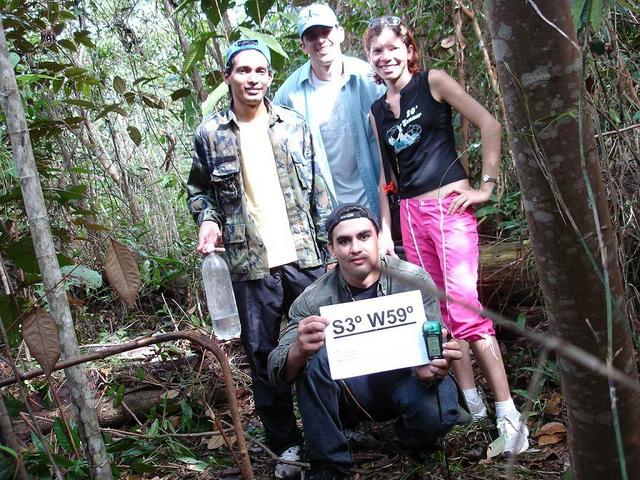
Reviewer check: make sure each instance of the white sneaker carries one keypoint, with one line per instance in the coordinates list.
(478, 411)
(285, 470)
(514, 434)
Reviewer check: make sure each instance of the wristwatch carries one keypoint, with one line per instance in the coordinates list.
(488, 179)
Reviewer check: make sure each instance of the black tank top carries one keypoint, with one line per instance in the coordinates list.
(420, 145)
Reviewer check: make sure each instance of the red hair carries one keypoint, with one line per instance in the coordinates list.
(405, 34)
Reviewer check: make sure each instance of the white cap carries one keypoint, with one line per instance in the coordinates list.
(316, 14)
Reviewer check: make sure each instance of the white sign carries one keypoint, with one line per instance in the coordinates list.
(375, 335)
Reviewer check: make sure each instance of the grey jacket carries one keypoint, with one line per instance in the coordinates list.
(397, 276)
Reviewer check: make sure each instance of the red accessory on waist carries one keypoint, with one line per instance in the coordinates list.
(389, 188)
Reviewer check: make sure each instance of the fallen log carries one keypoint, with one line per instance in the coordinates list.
(134, 406)
(507, 275)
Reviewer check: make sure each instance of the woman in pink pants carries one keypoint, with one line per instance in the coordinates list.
(415, 134)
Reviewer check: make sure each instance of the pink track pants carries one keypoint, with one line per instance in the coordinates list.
(446, 246)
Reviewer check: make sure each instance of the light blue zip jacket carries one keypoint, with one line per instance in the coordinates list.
(361, 91)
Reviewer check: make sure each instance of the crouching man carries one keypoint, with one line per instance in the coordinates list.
(423, 400)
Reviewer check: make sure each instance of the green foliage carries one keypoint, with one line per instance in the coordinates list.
(214, 9)
(119, 66)
(507, 211)
(196, 51)
(587, 12)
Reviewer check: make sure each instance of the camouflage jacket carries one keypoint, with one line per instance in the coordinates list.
(215, 190)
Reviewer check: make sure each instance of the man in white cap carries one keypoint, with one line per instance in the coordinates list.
(334, 93)
(255, 190)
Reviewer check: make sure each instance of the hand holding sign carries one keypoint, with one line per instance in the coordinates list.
(375, 335)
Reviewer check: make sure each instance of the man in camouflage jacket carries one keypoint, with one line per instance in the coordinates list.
(254, 188)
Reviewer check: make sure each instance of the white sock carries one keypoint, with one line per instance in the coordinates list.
(471, 394)
(506, 408)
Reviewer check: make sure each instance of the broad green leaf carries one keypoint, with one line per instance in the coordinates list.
(577, 7)
(595, 14)
(194, 464)
(67, 15)
(270, 40)
(181, 93)
(14, 59)
(80, 103)
(142, 467)
(13, 404)
(10, 309)
(152, 101)
(112, 108)
(75, 72)
(82, 275)
(22, 45)
(84, 37)
(54, 67)
(119, 85)
(187, 411)
(71, 121)
(214, 97)
(67, 44)
(23, 255)
(57, 84)
(8, 450)
(134, 134)
(29, 78)
(184, 4)
(122, 271)
(61, 435)
(119, 395)
(258, 9)
(195, 54)
(130, 97)
(144, 80)
(40, 332)
(75, 192)
(63, 260)
(214, 9)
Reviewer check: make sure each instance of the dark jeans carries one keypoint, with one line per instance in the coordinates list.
(325, 403)
(261, 306)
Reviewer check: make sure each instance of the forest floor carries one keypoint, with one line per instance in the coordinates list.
(463, 453)
(179, 439)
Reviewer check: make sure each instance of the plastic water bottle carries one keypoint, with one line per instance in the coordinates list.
(220, 299)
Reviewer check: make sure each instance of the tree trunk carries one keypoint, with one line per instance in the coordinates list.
(462, 80)
(90, 137)
(196, 79)
(8, 437)
(48, 263)
(540, 73)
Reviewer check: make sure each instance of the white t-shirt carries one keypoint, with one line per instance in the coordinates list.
(338, 137)
(265, 200)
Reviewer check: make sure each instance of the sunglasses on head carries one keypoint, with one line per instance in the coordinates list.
(246, 43)
(387, 20)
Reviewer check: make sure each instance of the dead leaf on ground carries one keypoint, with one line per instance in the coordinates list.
(551, 428)
(171, 394)
(495, 448)
(448, 42)
(554, 404)
(545, 440)
(217, 441)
